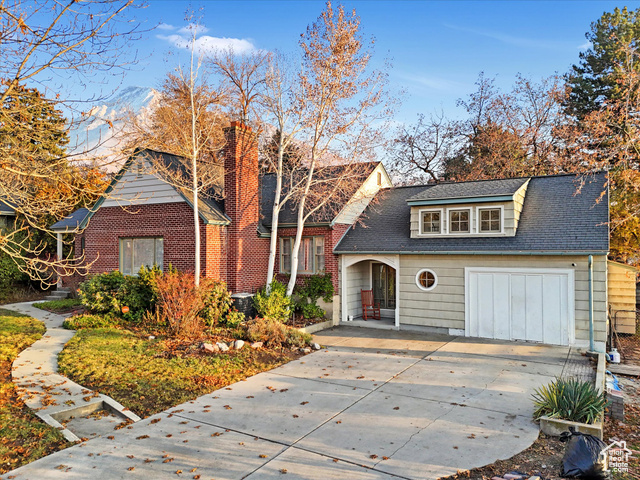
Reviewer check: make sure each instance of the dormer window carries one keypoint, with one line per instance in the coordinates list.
(490, 220)
(459, 221)
(431, 221)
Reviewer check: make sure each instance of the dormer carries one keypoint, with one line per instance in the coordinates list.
(485, 208)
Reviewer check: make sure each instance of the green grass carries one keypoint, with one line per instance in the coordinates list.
(23, 436)
(57, 306)
(148, 376)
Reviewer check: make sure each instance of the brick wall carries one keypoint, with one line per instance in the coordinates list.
(172, 221)
(247, 254)
(331, 237)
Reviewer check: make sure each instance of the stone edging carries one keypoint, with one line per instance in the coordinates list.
(316, 327)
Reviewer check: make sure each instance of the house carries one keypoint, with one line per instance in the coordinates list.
(621, 284)
(517, 259)
(143, 219)
(7, 213)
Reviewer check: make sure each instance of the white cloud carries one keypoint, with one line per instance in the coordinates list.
(430, 82)
(165, 26)
(206, 44)
(510, 39)
(585, 46)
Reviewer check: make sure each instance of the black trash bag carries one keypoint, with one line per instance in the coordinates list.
(582, 457)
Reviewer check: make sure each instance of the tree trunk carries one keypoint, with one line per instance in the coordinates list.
(275, 216)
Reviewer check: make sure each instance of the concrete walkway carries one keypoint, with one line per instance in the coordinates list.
(374, 405)
(77, 411)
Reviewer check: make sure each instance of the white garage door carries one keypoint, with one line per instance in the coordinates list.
(520, 304)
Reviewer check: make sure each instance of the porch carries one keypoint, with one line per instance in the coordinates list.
(370, 272)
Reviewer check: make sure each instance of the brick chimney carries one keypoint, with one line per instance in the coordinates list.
(246, 255)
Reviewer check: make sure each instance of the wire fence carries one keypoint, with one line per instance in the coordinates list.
(624, 335)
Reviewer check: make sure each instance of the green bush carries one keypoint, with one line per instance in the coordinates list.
(216, 301)
(10, 275)
(571, 399)
(234, 319)
(307, 295)
(90, 321)
(275, 305)
(109, 292)
(310, 310)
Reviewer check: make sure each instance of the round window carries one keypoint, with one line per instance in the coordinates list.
(426, 279)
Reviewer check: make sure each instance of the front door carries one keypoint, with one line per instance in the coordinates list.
(384, 285)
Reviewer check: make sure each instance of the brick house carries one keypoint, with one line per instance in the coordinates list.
(143, 219)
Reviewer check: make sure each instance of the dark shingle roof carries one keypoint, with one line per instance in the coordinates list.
(72, 221)
(482, 188)
(288, 214)
(7, 207)
(554, 219)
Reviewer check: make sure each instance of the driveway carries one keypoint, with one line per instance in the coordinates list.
(373, 405)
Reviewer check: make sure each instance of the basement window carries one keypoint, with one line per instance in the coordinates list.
(136, 252)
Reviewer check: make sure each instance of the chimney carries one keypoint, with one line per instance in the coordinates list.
(242, 205)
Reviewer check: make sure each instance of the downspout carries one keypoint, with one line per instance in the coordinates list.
(591, 348)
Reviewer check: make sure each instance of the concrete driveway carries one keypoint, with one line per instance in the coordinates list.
(374, 405)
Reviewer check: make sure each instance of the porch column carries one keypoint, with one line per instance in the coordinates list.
(59, 237)
(398, 292)
(343, 289)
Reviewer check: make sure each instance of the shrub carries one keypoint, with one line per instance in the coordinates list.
(109, 292)
(313, 288)
(275, 334)
(275, 305)
(234, 319)
(10, 275)
(571, 399)
(99, 293)
(216, 301)
(90, 321)
(185, 309)
(310, 310)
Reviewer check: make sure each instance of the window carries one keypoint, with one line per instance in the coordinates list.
(431, 222)
(490, 220)
(379, 179)
(459, 221)
(426, 279)
(310, 256)
(136, 252)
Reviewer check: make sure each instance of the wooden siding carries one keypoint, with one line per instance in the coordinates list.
(509, 213)
(361, 199)
(518, 200)
(622, 296)
(444, 306)
(358, 277)
(137, 188)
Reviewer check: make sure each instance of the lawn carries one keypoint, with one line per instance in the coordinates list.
(64, 305)
(149, 376)
(23, 436)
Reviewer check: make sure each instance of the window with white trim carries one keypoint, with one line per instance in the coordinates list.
(490, 220)
(310, 256)
(460, 221)
(426, 279)
(136, 252)
(431, 221)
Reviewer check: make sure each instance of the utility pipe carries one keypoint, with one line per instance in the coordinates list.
(591, 348)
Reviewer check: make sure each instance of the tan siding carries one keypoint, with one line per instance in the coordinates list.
(622, 297)
(444, 306)
(519, 202)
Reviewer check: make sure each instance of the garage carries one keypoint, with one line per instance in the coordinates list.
(534, 305)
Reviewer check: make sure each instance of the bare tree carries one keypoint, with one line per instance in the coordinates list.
(46, 44)
(343, 99)
(418, 152)
(187, 122)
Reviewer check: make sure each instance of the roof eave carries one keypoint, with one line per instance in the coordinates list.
(458, 200)
(463, 252)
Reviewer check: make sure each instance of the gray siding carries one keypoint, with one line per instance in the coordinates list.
(358, 277)
(135, 188)
(444, 306)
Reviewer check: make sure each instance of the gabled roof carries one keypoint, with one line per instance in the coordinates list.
(288, 214)
(472, 191)
(554, 220)
(209, 209)
(7, 207)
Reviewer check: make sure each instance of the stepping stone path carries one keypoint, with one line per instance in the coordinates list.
(77, 411)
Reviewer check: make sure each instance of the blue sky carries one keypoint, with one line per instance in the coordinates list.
(437, 48)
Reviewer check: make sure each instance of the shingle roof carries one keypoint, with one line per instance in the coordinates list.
(7, 207)
(72, 221)
(554, 219)
(288, 214)
(481, 188)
